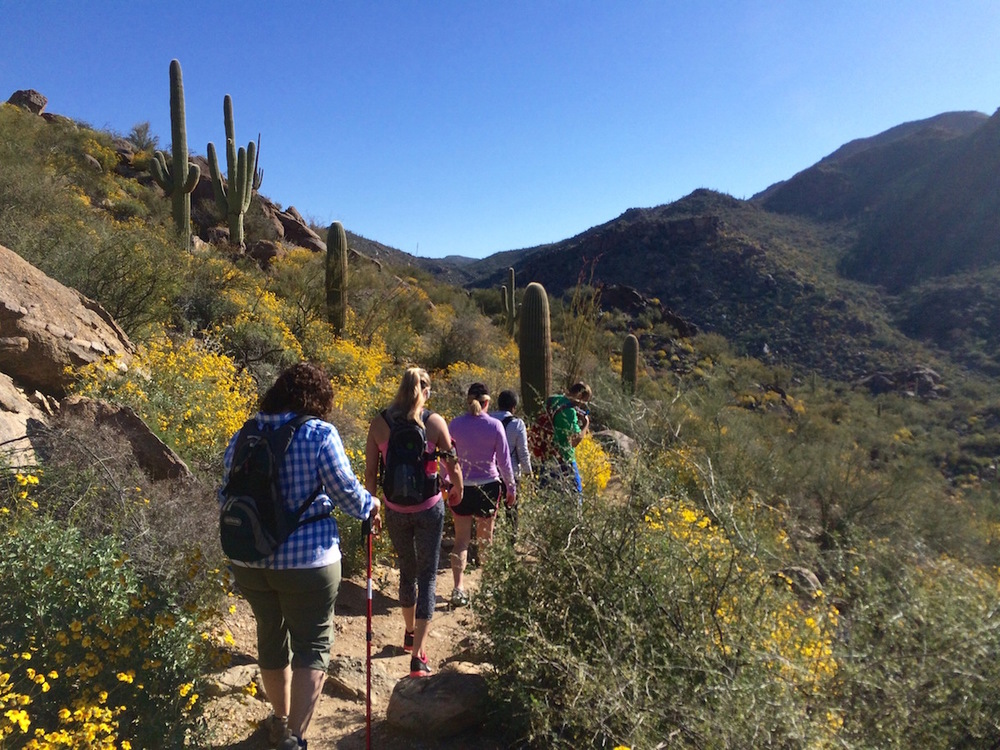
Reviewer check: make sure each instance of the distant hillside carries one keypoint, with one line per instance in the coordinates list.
(857, 177)
(925, 197)
(913, 213)
(764, 281)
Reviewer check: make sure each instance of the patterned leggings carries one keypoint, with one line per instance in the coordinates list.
(417, 540)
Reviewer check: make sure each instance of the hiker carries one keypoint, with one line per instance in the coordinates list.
(516, 432)
(415, 529)
(485, 458)
(570, 421)
(292, 592)
(517, 443)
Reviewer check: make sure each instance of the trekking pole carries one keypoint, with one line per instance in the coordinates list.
(366, 532)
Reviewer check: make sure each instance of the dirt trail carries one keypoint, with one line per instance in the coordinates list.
(339, 721)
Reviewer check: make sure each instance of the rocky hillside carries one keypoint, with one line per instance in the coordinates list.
(910, 213)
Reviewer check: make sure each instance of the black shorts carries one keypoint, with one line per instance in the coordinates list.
(479, 500)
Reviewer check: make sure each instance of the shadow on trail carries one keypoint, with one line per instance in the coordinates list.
(352, 601)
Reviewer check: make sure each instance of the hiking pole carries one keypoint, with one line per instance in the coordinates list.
(366, 532)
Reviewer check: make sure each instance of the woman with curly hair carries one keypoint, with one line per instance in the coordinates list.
(292, 592)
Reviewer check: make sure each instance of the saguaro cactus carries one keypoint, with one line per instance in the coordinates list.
(536, 349)
(336, 277)
(179, 177)
(233, 196)
(630, 363)
(509, 305)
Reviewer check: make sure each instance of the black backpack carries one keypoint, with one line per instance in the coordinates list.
(253, 522)
(404, 471)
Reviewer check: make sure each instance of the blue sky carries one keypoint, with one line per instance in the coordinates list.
(470, 128)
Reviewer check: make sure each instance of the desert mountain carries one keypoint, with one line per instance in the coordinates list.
(850, 266)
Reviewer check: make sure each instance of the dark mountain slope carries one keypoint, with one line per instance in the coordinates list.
(729, 267)
(866, 174)
(945, 220)
(925, 196)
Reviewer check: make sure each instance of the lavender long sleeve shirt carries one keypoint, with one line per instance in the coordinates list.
(482, 449)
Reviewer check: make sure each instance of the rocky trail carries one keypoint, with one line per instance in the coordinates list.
(232, 712)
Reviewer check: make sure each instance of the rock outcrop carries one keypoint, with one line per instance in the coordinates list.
(442, 705)
(19, 412)
(298, 232)
(30, 100)
(922, 382)
(154, 457)
(46, 327)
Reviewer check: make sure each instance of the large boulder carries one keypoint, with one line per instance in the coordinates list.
(19, 412)
(47, 329)
(30, 100)
(441, 705)
(153, 456)
(298, 232)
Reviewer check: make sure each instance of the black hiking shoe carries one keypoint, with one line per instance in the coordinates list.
(408, 641)
(419, 666)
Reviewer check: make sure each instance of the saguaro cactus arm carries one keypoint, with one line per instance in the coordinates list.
(258, 174)
(509, 303)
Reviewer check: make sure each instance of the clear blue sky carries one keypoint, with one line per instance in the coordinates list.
(442, 127)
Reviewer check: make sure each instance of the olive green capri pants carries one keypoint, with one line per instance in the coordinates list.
(294, 613)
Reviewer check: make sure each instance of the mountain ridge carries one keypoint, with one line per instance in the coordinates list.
(829, 269)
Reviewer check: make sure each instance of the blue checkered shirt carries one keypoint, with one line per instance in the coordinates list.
(315, 457)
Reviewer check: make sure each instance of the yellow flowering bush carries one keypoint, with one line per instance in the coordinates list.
(194, 398)
(90, 656)
(595, 468)
(362, 376)
(255, 326)
(647, 594)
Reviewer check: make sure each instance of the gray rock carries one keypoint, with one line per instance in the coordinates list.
(441, 705)
(47, 329)
(28, 99)
(17, 412)
(616, 442)
(154, 457)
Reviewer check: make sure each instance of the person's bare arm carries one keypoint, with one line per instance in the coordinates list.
(372, 455)
(440, 436)
(583, 420)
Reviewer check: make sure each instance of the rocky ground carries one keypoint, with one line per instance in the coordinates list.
(340, 720)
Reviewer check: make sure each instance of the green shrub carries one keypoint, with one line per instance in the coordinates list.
(917, 657)
(645, 620)
(88, 652)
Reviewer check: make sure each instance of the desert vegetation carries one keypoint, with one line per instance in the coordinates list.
(783, 560)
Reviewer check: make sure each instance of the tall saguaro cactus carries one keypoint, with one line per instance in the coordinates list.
(336, 277)
(630, 363)
(179, 177)
(536, 348)
(233, 196)
(509, 306)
